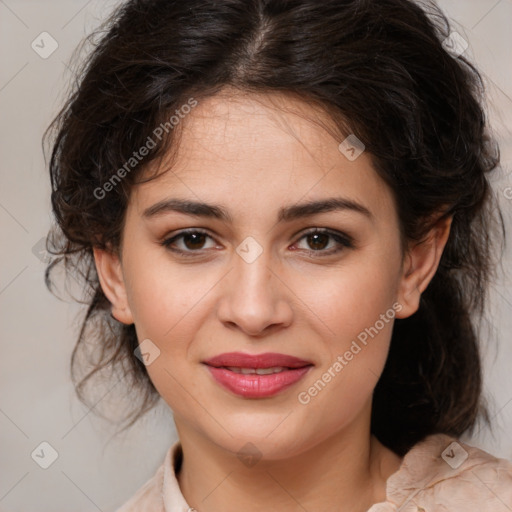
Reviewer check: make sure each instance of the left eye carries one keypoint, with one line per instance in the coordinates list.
(318, 240)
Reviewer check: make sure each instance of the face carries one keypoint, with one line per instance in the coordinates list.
(249, 274)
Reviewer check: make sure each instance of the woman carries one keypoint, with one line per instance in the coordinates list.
(283, 215)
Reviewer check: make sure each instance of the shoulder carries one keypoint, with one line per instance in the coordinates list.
(149, 496)
(445, 474)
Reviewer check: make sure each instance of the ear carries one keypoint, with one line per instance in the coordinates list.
(420, 265)
(110, 274)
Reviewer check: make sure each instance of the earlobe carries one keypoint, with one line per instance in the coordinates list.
(112, 283)
(420, 265)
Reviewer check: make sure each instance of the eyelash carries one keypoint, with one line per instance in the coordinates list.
(343, 240)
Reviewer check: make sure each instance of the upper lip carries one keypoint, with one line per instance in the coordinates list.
(266, 360)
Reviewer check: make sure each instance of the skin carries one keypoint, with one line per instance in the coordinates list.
(254, 154)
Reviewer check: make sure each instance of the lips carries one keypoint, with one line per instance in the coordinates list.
(257, 376)
(266, 360)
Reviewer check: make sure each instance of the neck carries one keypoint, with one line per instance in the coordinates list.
(347, 471)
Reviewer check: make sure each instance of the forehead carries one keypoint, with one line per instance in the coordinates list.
(260, 149)
(254, 128)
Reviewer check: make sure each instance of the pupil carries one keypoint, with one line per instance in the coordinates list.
(197, 240)
(315, 236)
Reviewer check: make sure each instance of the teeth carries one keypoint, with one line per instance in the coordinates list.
(258, 371)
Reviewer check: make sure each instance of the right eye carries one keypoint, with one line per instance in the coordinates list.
(192, 241)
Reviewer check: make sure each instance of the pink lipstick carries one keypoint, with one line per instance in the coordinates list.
(257, 376)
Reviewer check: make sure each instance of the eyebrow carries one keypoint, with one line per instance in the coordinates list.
(286, 214)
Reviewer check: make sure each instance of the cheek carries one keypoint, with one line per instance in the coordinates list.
(344, 384)
(169, 305)
(163, 297)
(354, 313)
(348, 300)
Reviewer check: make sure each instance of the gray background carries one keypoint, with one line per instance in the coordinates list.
(94, 471)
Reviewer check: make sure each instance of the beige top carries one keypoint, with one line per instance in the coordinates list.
(439, 474)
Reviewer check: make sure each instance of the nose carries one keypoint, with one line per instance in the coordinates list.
(255, 298)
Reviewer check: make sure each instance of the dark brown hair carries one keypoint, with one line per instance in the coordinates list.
(380, 71)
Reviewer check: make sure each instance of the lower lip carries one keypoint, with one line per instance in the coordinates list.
(257, 386)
